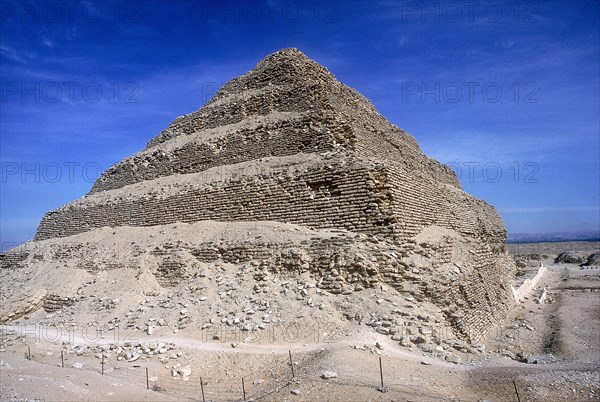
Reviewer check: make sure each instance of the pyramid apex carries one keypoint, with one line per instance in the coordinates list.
(285, 55)
(288, 52)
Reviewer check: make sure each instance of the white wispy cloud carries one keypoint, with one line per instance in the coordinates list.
(11, 53)
(47, 42)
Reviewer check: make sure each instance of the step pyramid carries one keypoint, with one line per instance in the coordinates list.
(285, 176)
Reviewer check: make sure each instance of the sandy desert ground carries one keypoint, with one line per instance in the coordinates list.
(548, 351)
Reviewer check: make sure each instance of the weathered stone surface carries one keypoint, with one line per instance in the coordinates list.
(285, 144)
(287, 91)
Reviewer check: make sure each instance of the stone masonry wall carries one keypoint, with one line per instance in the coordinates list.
(289, 82)
(325, 196)
(421, 203)
(480, 300)
(371, 199)
(343, 264)
(287, 137)
(15, 258)
(293, 98)
(384, 142)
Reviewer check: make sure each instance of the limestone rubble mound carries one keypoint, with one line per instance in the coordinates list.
(286, 198)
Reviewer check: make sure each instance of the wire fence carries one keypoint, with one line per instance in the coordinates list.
(197, 387)
(194, 387)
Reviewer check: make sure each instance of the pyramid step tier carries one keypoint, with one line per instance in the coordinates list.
(276, 134)
(235, 109)
(334, 190)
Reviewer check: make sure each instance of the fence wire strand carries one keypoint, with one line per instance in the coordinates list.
(227, 388)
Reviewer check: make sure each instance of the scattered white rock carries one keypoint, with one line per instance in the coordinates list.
(185, 371)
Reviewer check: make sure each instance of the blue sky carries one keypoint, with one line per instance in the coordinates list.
(506, 93)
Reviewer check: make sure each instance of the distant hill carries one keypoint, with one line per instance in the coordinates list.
(553, 237)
